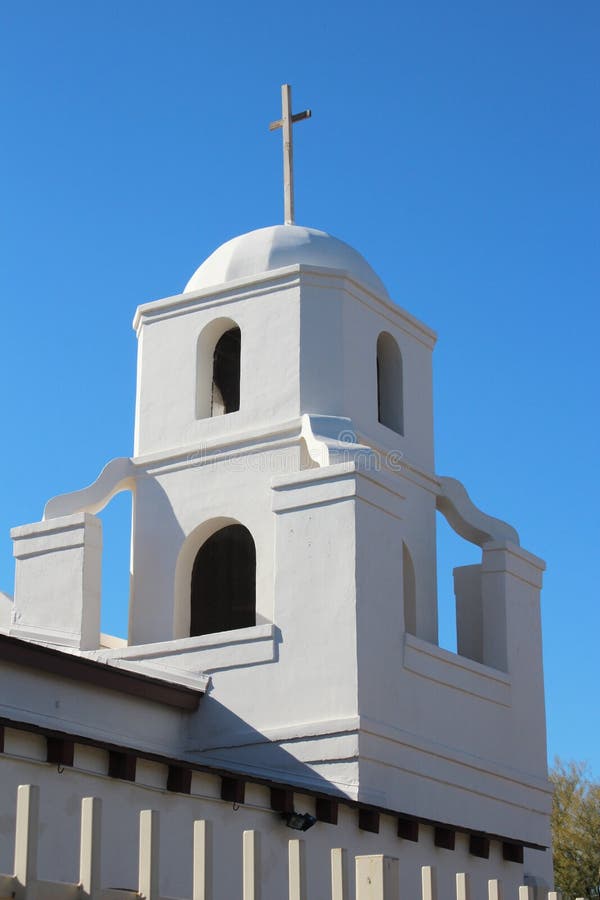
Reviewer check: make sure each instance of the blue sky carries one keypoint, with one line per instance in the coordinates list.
(455, 145)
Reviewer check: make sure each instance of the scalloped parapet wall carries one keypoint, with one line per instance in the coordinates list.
(116, 476)
(468, 520)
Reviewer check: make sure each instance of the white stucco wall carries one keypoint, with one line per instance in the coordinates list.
(327, 691)
(60, 799)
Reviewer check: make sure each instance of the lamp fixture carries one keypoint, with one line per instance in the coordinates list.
(298, 821)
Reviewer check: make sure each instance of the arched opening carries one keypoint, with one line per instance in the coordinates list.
(116, 519)
(390, 400)
(218, 369)
(409, 592)
(223, 588)
(225, 397)
(453, 553)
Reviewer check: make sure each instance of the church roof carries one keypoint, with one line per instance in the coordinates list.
(81, 669)
(278, 246)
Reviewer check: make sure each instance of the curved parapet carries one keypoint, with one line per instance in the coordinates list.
(116, 476)
(467, 520)
(331, 440)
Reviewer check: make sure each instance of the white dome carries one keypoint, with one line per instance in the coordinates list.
(278, 246)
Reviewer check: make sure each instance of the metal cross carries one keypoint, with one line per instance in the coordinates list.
(285, 123)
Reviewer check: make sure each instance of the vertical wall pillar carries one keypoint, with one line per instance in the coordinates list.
(90, 870)
(296, 870)
(497, 606)
(202, 871)
(250, 865)
(26, 837)
(469, 612)
(57, 581)
(315, 587)
(377, 878)
(511, 580)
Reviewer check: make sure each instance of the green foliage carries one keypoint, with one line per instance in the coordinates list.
(576, 830)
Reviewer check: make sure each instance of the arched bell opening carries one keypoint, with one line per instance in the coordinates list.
(390, 388)
(225, 390)
(218, 369)
(223, 582)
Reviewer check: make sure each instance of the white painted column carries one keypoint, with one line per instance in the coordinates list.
(90, 847)
(526, 892)
(495, 889)
(377, 878)
(26, 836)
(251, 865)
(429, 883)
(463, 886)
(202, 861)
(297, 870)
(149, 854)
(339, 874)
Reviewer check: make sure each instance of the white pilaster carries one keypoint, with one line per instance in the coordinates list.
(57, 582)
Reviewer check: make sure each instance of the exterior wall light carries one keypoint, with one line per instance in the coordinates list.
(298, 821)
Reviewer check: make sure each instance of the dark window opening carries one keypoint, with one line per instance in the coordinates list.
(223, 595)
(226, 374)
(390, 400)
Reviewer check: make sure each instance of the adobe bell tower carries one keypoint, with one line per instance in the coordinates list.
(328, 370)
(322, 454)
(283, 545)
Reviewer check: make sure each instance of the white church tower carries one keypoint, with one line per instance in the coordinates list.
(284, 556)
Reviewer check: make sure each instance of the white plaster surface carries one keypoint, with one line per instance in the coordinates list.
(57, 581)
(278, 246)
(327, 691)
(58, 849)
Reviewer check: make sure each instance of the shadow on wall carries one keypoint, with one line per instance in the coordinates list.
(217, 737)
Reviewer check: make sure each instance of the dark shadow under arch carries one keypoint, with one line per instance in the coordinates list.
(390, 388)
(223, 588)
(226, 373)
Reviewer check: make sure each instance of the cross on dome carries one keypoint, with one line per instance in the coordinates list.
(285, 123)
